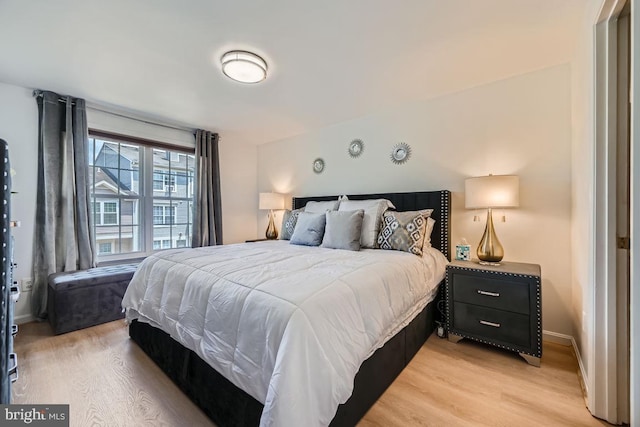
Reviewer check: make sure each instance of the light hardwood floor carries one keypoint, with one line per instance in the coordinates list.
(109, 381)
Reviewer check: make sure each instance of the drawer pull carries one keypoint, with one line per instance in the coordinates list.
(495, 325)
(489, 294)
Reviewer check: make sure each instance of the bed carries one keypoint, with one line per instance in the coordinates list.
(245, 345)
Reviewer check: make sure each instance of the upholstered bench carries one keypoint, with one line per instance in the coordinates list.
(83, 298)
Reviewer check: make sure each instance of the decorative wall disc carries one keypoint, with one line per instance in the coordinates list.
(400, 153)
(356, 147)
(318, 165)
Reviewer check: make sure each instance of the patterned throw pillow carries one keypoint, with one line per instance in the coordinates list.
(403, 231)
(289, 221)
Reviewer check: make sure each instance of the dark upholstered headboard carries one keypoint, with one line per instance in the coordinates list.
(439, 201)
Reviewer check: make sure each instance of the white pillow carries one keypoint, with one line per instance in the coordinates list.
(427, 235)
(373, 210)
(321, 207)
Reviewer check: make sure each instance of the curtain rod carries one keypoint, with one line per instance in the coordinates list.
(150, 122)
(38, 94)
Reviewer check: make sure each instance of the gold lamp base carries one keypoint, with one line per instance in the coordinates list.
(490, 251)
(271, 233)
(495, 264)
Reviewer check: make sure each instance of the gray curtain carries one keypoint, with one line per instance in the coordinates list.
(62, 240)
(207, 220)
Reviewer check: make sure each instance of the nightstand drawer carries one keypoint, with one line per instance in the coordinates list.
(490, 292)
(491, 324)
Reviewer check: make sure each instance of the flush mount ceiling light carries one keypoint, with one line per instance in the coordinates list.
(244, 67)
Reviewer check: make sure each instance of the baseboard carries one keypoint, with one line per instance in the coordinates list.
(25, 318)
(557, 338)
(582, 373)
(569, 341)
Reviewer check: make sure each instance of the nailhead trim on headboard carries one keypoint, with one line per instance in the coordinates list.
(445, 197)
(439, 200)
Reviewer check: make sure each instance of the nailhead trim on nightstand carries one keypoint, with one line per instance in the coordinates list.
(538, 352)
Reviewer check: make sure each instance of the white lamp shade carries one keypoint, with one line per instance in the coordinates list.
(273, 201)
(493, 191)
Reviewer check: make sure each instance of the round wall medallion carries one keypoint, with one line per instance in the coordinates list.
(356, 147)
(400, 153)
(318, 165)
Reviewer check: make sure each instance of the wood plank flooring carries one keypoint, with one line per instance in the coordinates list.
(109, 381)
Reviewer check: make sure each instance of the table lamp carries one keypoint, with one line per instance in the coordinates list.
(271, 201)
(488, 192)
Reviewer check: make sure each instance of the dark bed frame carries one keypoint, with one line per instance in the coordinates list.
(227, 405)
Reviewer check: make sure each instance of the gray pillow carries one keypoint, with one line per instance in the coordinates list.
(403, 231)
(373, 210)
(343, 230)
(289, 220)
(309, 229)
(317, 207)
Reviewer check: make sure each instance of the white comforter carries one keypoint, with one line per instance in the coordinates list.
(289, 325)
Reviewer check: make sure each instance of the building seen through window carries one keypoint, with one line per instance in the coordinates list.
(141, 197)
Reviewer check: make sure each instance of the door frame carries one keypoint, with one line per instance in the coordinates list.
(604, 341)
(634, 158)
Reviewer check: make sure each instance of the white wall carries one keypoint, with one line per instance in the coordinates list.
(19, 127)
(239, 189)
(582, 189)
(521, 125)
(102, 120)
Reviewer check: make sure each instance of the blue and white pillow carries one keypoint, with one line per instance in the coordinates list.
(289, 221)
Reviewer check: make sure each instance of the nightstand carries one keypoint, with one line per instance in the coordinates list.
(497, 305)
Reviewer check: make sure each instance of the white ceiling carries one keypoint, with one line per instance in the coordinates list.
(329, 61)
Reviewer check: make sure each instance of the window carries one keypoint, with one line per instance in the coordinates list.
(105, 212)
(158, 182)
(104, 248)
(158, 215)
(109, 213)
(141, 196)
(163, 244)
(163, 181)
(173, 206)
(169, 183)
(164, 215)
